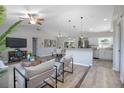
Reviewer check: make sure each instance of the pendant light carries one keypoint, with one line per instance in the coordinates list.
(81, 27)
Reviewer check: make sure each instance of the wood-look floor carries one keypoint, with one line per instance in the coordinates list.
(72, 80)
(101, 75)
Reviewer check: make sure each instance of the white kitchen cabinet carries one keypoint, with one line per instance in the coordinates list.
(106, 53)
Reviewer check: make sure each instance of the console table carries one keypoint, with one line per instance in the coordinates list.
(13, 58)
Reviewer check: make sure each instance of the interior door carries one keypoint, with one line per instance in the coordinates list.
(34, 46)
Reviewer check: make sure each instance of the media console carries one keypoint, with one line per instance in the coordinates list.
(12, 57)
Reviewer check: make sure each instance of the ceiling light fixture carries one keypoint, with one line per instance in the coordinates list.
(91, 29)
(105, 19)
(74, 26)
(69, 24)
(69, 27)
(81, 26)
(83, 40)
(105, 27)
(32, 22)
(32, 18)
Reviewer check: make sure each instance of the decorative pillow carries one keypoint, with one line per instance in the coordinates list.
(39, 58)
(25, 64)
(34, 63)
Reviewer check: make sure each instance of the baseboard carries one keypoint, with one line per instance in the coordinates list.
(83, 64)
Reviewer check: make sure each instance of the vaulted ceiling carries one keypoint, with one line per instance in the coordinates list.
(95, 18)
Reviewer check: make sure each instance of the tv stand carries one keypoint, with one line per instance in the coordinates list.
(12, 57)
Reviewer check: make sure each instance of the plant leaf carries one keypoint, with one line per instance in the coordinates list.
(4, 35)
(2, 14)
(9, 30)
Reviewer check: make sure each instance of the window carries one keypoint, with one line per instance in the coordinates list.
(105, 42)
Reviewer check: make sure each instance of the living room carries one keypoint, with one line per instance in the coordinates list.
(43, 32)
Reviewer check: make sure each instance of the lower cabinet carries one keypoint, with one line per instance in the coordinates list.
(106, 54)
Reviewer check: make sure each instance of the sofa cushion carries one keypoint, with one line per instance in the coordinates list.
(66, 58)
(40, 59)
(32, 63)
(34, 70)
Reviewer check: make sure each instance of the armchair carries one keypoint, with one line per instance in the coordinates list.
(68, 63)
(62, 66)
(60, 71)
(35, 76)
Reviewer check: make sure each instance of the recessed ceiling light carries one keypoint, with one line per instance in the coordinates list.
(74, 26)
(105, 19)
(91, 29)
(105, 27)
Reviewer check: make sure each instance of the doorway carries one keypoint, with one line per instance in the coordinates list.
(34, 46)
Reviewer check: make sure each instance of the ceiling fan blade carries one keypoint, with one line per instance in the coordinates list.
(40, 19)
(34, 14)
(23, 17)
(30, 15)
(39, 23)
(17, 14)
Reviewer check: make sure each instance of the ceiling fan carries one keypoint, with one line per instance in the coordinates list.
(32, 18)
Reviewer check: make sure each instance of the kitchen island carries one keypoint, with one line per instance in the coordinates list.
(82, 56)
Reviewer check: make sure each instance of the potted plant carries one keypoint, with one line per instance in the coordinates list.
(8, 31)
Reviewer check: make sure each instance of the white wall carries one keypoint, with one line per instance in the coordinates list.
(29, 31)
(41, 51)
(93, 41)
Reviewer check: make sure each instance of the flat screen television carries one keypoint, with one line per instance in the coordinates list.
(16, 42)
